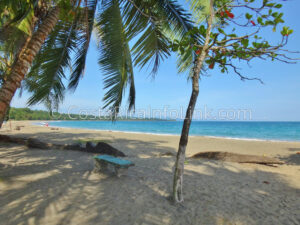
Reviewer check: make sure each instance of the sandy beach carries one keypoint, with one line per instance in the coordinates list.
(60, 187)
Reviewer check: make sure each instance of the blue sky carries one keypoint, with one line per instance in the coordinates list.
(277, 100)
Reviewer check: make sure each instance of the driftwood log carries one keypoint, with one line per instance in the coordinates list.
(235, 157)
(99, 148)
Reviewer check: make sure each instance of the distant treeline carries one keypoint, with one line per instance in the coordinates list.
(28, 114)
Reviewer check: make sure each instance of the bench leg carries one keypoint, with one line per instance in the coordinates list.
(100, 166)
(120, 171)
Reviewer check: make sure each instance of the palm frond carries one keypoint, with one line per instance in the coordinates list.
(134, 17)
(115, 57)
(85, 29)
(148, 21)
(152, 47)
(199, 9)
(167, 20)
(16, 23)
(185, 61)
(45, 80)
(176, 16)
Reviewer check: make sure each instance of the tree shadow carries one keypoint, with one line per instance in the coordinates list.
(60, 137)
(59, 187)
(130, 147)
(293, 159)
(294, 149)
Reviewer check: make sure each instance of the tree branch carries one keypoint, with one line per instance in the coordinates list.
(243, 78)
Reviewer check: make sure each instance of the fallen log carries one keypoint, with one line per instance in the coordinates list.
(99, 148)
(34, 143)
(104, 148)
(235, 157)
(17, 140)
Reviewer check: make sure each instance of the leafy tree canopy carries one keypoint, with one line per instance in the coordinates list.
(236, 36)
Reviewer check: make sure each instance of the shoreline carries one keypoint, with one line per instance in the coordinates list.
(176, 135)
(118, 139)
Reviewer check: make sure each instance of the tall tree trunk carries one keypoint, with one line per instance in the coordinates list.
(179, 164)
(180, 158)
(24, 61)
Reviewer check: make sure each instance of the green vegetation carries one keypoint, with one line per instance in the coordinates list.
(41, 40)
(220, 41)
(28, 114)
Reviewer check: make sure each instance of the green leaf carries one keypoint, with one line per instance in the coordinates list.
(221, 31)
(248, 16)
(115, 58)
(259, 20)
(278, 6)
(245, 42)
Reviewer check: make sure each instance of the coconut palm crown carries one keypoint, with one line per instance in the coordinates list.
(129, 33)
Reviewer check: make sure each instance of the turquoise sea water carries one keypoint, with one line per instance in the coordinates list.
(285, 131)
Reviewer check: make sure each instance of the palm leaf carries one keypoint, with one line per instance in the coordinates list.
(45, 80)
(152, 47)
(179, 20)
(85, 29)
(115, 57)
(200, 9)
(168, 20)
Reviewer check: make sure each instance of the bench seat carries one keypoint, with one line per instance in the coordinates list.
(119, 165)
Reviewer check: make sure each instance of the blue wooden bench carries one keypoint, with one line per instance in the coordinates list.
(120, 165)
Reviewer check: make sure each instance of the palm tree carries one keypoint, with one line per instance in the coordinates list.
(16, 25)
(24, 21)
(49, 50)
(47, 16)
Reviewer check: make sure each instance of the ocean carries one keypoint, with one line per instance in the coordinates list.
(282, 131)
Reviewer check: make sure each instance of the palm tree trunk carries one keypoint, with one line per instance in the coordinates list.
(180, 158)
(24, 62)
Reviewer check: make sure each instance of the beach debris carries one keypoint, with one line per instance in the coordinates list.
(240, 158)
(34, 143)
(266, 182)
(77, 147)
(167, 154)
(18, 127)
(99, 148)
(104, 148)
(17, 140)
(90, 146)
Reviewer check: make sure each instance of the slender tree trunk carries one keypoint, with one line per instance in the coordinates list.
(180, 158)
(24, 61)
(179, 164)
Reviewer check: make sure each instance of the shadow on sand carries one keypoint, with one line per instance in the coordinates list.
(59, 187)
(294, 158)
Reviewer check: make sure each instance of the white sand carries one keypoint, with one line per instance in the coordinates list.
(59, 187)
